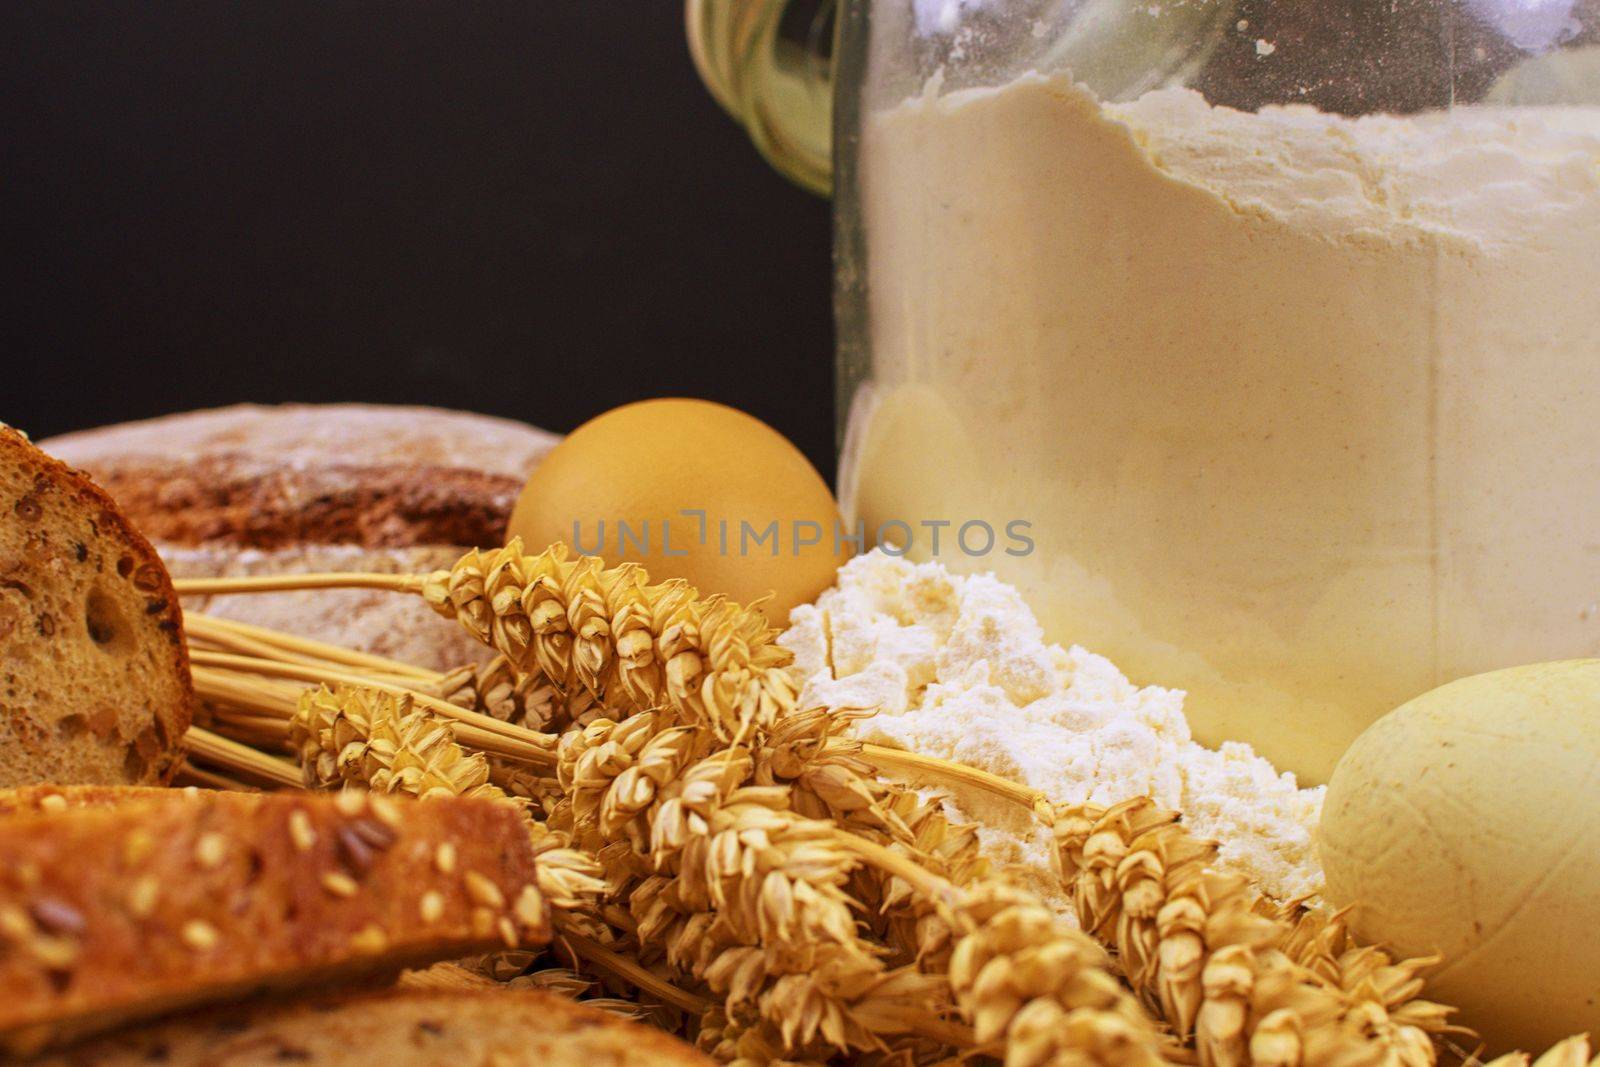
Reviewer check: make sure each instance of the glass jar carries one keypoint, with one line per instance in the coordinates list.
(1278, 323)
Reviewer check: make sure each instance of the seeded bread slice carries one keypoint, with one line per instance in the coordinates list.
(94, 675)
(396, 1028)
(111, 912)
(41, 799)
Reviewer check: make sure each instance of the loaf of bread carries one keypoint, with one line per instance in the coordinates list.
(94, 673)
(396, 1028)
(335, 487)
(280, 476)
(116, 907)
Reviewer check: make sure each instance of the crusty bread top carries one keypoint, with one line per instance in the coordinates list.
(292, 474)
(310, 435)
(94, 673)
(122, 904)
(396, 1028)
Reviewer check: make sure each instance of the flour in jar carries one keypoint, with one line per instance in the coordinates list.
(958, 667)
(1301, 406)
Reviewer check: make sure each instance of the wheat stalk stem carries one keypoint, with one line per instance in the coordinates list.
(288, 583)
(938, 890)
(241, 758)
(192, 774)
(268, 704)
(486, 731)
(263, 696)
(587, 948)
(275, 644)
(265, 731)
(202, 639)
(493, 688)
(954, 773)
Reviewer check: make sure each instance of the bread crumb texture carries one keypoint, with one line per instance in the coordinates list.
(957, 667)
(94, 678)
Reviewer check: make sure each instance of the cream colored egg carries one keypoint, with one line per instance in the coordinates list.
(693, 490)
(1467, 824)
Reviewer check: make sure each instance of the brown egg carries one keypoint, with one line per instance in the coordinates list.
(693, 490)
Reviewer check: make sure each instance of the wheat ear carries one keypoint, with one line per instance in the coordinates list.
(1573, 1052)
(631, 644)
(753, 898)
(1198, 944)
(724, 883)
(738, 883)
(1038, 992)
(384, 743)
(829, 779)
(526, 699)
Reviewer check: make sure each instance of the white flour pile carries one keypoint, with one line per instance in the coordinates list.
(959, 669)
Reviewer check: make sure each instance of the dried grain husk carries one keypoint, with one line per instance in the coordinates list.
(830, 780)
(1573, 1052)
(1241, 979)
(735, 891)
(383, 742)
(747, 1043)
(755, 890)
(632, 645)
(1038, 992)
(526, 699)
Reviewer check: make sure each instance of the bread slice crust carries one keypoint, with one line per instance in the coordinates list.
(94, 670)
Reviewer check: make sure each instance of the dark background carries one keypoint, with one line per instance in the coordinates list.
(531, 209)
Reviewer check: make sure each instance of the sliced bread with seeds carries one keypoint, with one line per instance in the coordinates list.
(94, 674)
(112, 912)
(43, 799)
(397, 1028)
